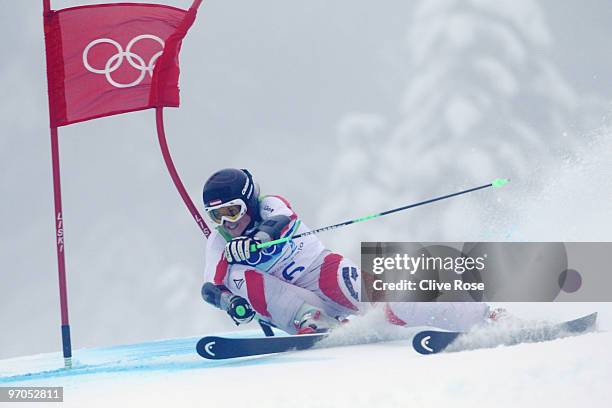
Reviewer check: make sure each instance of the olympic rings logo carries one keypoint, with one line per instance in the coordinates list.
(114, 62)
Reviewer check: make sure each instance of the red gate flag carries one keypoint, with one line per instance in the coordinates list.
(109, 59)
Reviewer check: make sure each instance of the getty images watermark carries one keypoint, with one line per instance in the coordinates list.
(486, 271)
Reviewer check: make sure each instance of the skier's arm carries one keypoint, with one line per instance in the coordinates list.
(238, 250)
(278, 219)
(273, 228)
(214, 291)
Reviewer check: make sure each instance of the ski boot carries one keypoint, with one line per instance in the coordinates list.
(310, 319)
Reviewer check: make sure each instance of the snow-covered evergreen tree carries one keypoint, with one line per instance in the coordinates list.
(483, 100)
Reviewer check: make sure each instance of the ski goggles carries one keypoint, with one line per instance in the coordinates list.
(232, 211)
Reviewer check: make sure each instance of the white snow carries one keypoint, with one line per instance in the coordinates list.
(566, 372)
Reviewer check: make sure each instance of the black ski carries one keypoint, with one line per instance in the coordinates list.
(220, 348)
(434, 341)
(425, 342)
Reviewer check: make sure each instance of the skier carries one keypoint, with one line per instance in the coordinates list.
(298, 286)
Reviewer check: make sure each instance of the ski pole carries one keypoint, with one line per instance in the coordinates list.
(495, 183)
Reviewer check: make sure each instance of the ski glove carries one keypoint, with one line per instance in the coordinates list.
(238, 250)
(237, 307)
(240, 310)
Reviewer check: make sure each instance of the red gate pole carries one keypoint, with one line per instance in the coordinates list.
(163, 144)
(59, 233)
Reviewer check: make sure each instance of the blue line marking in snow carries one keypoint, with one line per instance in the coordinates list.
(156, 356)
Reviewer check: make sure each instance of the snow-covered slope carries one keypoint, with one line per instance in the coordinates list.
(567, 372)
